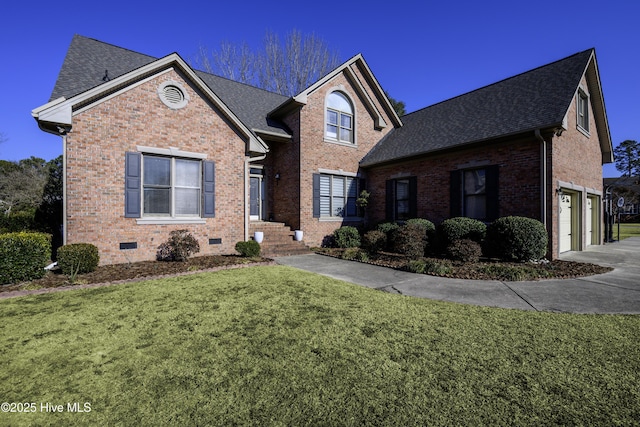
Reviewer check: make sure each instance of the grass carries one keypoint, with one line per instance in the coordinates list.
(277, 346)
(626, 230)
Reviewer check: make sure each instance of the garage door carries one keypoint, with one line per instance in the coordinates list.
(589, 221)
(566, 225)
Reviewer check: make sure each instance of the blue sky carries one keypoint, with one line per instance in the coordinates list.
(421, 52)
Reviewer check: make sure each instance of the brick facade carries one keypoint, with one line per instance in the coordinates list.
(95, 158)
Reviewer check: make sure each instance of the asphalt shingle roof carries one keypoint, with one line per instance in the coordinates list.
(535, 99)
(87, 60)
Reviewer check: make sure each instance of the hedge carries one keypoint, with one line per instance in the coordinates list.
(78, 258)
(23, 256)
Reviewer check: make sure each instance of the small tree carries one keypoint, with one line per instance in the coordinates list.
(627, 156)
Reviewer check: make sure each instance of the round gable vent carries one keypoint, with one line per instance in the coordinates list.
(173, 95)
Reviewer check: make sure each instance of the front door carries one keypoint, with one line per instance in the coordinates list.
(256, 198)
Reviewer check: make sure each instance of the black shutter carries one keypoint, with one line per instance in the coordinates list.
(413, 197)
(491, 188)
(316, 195)
(132, 184)
(209, 189)
(390, 200)
(455, 193)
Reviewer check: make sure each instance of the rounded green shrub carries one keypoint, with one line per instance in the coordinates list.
(78, 258)
(464, 250)
(387, 227)
(453, 229)
(409, 240)
(248, 249)
(424, 223)
(23, 256)
(16, 222)
(374, 241)
(347, 237)
(516, 238)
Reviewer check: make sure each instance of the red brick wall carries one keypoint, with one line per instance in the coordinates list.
(577, 161)
(519, 179)
(316, 153)
(95, 152)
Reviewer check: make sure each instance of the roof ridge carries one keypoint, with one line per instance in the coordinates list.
(113, 45)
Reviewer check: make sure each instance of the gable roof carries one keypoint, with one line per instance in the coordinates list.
(88, 61)
(537, 99)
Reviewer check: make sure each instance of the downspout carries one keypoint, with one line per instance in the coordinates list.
(246, 191)
(64, 190)
(543, 177)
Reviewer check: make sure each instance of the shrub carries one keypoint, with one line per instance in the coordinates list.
(409, 240)
(429, 266)
(180, 246)
(347, 237)
(23, 256)
(248, 249)
(453, 229)
(16, 222)
(355, 254)
(429, 229)
(416, 266)
(78, 258)
(437, 267)
(464, 250)
(374, 241)
(516, 238)
(387, 227)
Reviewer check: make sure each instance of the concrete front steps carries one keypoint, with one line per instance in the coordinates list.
(278, 239)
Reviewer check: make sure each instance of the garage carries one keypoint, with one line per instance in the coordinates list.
(566, 222)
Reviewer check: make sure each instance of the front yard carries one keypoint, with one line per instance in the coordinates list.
(273, 345)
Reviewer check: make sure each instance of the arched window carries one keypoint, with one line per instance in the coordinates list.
(339, 118)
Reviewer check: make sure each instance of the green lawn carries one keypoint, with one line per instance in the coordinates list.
(277, 346)
(626, 230)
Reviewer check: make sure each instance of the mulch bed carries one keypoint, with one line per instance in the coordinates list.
(556, 269)
(129, 272)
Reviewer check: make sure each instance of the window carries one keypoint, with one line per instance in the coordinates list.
(474, 193)
(583, 110)
(401, 198)
(339, 118)
(171, 186)
(168, 187)
(335, 196)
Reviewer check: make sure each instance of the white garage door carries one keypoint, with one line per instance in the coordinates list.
(566, 225)
(589, 221)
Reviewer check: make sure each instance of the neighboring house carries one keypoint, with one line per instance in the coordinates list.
(152, 145)
(627, 188)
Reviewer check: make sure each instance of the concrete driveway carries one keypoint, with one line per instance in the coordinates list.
(614, 292)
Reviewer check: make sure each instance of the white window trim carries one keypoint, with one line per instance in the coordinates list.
(340, 174)
(172, 153)
(354, 120)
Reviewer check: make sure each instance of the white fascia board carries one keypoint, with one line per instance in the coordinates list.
(57, 111)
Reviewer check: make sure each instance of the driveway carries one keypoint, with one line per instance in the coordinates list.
(614, 292)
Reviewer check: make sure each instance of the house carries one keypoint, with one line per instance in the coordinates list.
(532, 145)
(626, 191)
(152, 145)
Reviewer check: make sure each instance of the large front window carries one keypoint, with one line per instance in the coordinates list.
(338, 196)
(339, 118)
(171, 186)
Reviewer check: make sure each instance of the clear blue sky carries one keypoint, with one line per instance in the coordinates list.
(421, 51)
